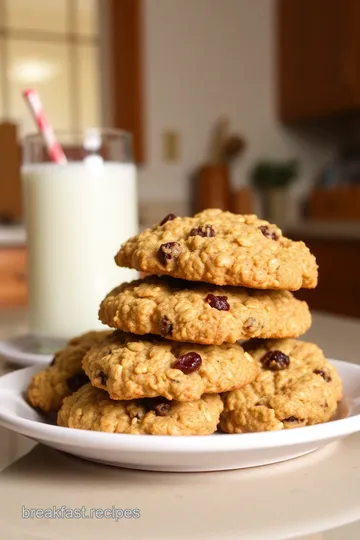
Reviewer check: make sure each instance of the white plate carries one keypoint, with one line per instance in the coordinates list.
(180, 454)
(27, 350)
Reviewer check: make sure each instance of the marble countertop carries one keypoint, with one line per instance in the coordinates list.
(315, 497)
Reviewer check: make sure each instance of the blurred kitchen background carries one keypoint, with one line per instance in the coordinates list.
(251, 106)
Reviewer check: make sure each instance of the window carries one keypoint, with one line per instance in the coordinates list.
(53, 46)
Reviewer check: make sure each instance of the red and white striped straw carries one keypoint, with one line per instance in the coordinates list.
(54, 149)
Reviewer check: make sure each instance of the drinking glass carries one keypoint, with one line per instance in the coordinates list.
(76, 215)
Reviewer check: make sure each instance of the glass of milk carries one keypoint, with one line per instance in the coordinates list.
(77, 215)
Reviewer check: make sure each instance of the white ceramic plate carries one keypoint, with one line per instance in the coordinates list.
(181, 454)
(27, 350)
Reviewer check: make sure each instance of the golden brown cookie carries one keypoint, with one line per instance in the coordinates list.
(224, 249)
(201, 313)
(296, 387)
(131, 367)
(93, 336)
(65, 374)
(91, 408)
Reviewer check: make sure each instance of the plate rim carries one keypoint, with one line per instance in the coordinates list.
(188, 444)
(23, 358)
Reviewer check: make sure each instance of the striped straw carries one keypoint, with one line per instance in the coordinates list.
(54, 149)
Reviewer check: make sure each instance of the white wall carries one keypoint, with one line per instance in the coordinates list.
(205, 58)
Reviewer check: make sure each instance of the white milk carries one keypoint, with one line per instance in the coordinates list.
(77, 215)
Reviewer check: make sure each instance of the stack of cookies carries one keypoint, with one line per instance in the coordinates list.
(174, 364)
(65, 375)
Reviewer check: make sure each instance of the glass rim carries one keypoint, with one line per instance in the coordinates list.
(100, 131)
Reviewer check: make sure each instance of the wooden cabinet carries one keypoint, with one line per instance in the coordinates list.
(318, 58)
(125, 31)
(10, 183)
(338, 290)
(13, 279)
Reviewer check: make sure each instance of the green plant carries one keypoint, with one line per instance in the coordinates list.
(273, 174)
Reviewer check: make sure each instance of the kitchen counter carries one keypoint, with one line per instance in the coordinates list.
(304, 497)
(12, 235)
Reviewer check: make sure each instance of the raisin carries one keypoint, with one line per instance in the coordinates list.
(323, 374)
(167, 218)
(103, 378)
(188, 363)
(77, 381)
(160, 405)
(169, 252)
(275, 361)
(292, 419)
(265, 229)
(206, 231)
(218, 302)
(162, 408)
(166, 326)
